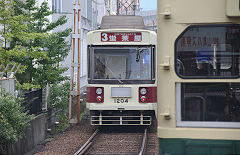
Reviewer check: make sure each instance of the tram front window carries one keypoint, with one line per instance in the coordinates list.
(122, 65)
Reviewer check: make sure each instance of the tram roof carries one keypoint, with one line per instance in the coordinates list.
(118, 21)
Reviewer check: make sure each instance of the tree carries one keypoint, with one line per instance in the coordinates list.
(44, 70)
(13, 27)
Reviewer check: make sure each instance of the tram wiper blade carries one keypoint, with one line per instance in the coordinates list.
(138, 54)
(120, 81)
(139, 50)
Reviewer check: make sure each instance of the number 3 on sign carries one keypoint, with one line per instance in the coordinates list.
(104, 37)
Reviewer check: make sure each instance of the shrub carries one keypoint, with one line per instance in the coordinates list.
(59, 100)
(13, 120)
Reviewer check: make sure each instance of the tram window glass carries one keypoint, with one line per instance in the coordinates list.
(218, 102)
(119, 64)
(208, 52)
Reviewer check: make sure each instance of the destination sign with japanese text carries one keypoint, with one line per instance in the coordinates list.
(121, 37)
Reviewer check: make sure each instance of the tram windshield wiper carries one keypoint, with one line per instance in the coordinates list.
(138, 54)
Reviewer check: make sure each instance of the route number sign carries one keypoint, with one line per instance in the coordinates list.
(121, 37)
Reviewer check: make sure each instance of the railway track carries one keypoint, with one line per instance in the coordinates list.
(116, 141)
(110, 140)
(144, 143)
(86, 145)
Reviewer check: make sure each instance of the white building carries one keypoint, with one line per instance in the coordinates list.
(149, 18)
(111, 7)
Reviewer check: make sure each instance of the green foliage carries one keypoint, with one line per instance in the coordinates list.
(14, 27)
(63, 123)
(13, 120)
(42, 70)
(59, 100)
(59, 96)
(26, 86)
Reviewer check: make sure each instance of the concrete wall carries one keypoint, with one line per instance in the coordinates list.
(8, 85)
(33, 136)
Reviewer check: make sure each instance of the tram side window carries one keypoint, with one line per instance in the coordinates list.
(215, 102)
(208, 52)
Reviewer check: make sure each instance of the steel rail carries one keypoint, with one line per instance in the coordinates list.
(87, 144)
(144, 140)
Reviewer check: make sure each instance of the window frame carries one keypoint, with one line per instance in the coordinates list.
(198, 124)
(200, 77)
(91, 54)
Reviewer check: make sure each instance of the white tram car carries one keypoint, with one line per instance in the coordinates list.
(121, 84)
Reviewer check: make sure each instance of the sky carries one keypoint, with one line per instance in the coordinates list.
(148, 4)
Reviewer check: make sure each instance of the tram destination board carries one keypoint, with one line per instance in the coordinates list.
(121, 37)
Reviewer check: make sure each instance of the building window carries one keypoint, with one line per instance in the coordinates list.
(57, 6)
(208, 104)
(208, 52)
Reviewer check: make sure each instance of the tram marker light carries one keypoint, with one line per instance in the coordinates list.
(143, 99)
(147, 94)
(95, 94)
(99, 99)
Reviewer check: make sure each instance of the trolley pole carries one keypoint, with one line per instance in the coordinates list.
(109, 7)
(118, 7)
(76, 42)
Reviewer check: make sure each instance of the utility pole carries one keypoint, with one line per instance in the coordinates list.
(76, 40)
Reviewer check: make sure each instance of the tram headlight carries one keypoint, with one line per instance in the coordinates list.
(99, 91)
(99, 99)
(143, 91)
(143, 99)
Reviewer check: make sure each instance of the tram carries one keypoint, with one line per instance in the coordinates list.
(122, 82)
(198, 77)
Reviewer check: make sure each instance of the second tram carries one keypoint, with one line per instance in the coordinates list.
(122, 87)
(199, 77)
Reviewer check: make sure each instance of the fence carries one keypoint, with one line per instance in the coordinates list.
(32, 101)
(34, 135)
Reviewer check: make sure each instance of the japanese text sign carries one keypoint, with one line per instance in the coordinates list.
(201, 38)
(121, 37)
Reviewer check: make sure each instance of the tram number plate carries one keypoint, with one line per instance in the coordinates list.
(120, 100)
